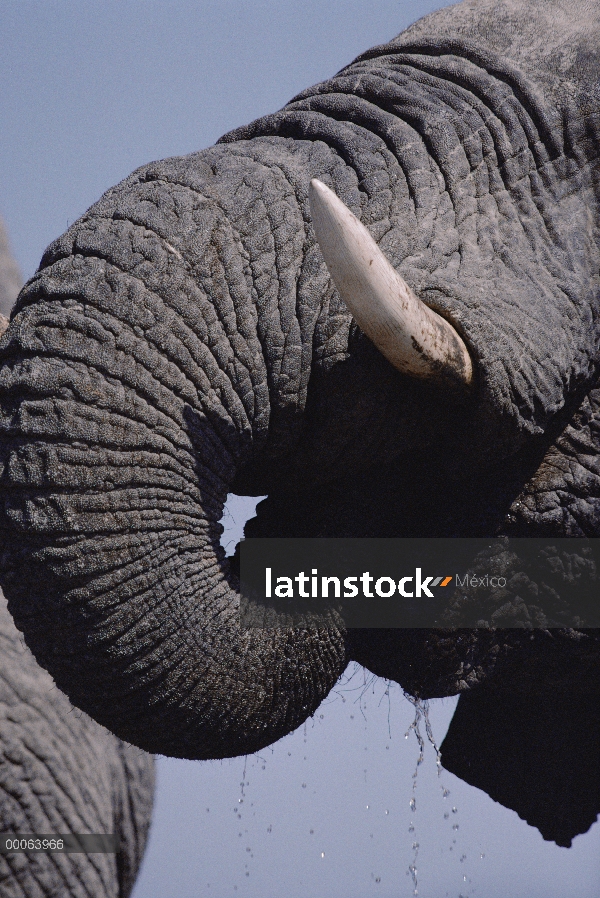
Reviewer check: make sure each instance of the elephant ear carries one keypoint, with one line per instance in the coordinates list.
(534, 751)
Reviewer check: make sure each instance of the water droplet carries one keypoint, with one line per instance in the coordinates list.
(208, 810)
(240, 800)
(446, 815)
(367, 807)
(378, 879)
(455, 810)
(446, 793)
(304, 785)
(321, 716)
(411, 828)
(482, 856)
(386, 813)
(312, 832)
(415, 845)
(412, 804)
(463, 858)
(269, 828)
(322, 854)
(455, 827)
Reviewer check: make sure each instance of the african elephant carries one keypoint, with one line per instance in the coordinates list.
(185, 339)
(60, 772)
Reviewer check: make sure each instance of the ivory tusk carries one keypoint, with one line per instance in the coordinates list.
(411, 336)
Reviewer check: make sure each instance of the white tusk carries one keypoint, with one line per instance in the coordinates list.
(414, 338)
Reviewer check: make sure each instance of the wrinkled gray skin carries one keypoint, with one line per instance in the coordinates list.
(60, 772)
(183, 340)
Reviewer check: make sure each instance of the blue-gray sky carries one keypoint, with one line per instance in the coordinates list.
(89, 92)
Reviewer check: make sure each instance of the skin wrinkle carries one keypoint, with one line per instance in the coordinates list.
(498, 69)
(465, 81)
(65, 488)
(198, 368)
(287, 173)
(189, 187)
(231, 333)
(290, 339)
(338, 79)
(160, 440)
(147, 404)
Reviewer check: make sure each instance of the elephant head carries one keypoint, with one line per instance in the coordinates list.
(184, 339)
(60, 772)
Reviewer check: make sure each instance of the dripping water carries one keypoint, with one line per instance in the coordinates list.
(422, 716)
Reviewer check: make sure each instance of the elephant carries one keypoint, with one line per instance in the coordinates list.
(60, 772)
(199, 332)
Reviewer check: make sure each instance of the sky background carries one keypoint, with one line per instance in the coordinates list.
(89, 92)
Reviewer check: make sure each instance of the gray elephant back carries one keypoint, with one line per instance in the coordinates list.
(60, 772)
